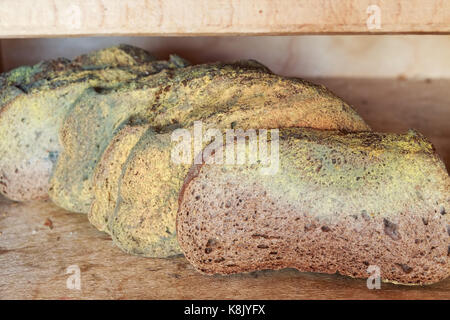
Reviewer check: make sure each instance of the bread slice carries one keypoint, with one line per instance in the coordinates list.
(143, 222)
(108, 171)
(225, 94)
(33, 103)
(339, 203)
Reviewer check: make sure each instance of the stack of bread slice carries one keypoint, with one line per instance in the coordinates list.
(34, 102)
(96, 135)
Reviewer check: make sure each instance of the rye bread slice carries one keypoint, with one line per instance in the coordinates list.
(229, 95)
(108, 171)
(143, 222)
(33, 103)
(338, 203)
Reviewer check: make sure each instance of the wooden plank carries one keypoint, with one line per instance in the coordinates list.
(34, 258)
(58, 18)
(34, 261)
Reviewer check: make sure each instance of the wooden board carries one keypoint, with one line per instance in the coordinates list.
(34, 258)
(53, 18)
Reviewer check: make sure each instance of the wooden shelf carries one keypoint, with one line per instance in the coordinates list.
(34, 258)
(64, 18)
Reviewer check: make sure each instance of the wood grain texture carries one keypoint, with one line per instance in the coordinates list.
(52, 18)
(34, 258)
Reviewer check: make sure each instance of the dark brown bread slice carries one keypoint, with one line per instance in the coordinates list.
(339, 203)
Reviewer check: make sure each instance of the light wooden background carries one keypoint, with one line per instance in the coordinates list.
(410, 56)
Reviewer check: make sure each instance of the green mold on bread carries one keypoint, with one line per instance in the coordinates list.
(143, 221)
(34, 102)
(243, 95)
(108, 171)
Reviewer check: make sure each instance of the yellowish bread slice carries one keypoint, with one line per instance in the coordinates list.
(108, 171)
(20, 80)
(143, 222)
(339, 203)
(122, 55)
(89, 126)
